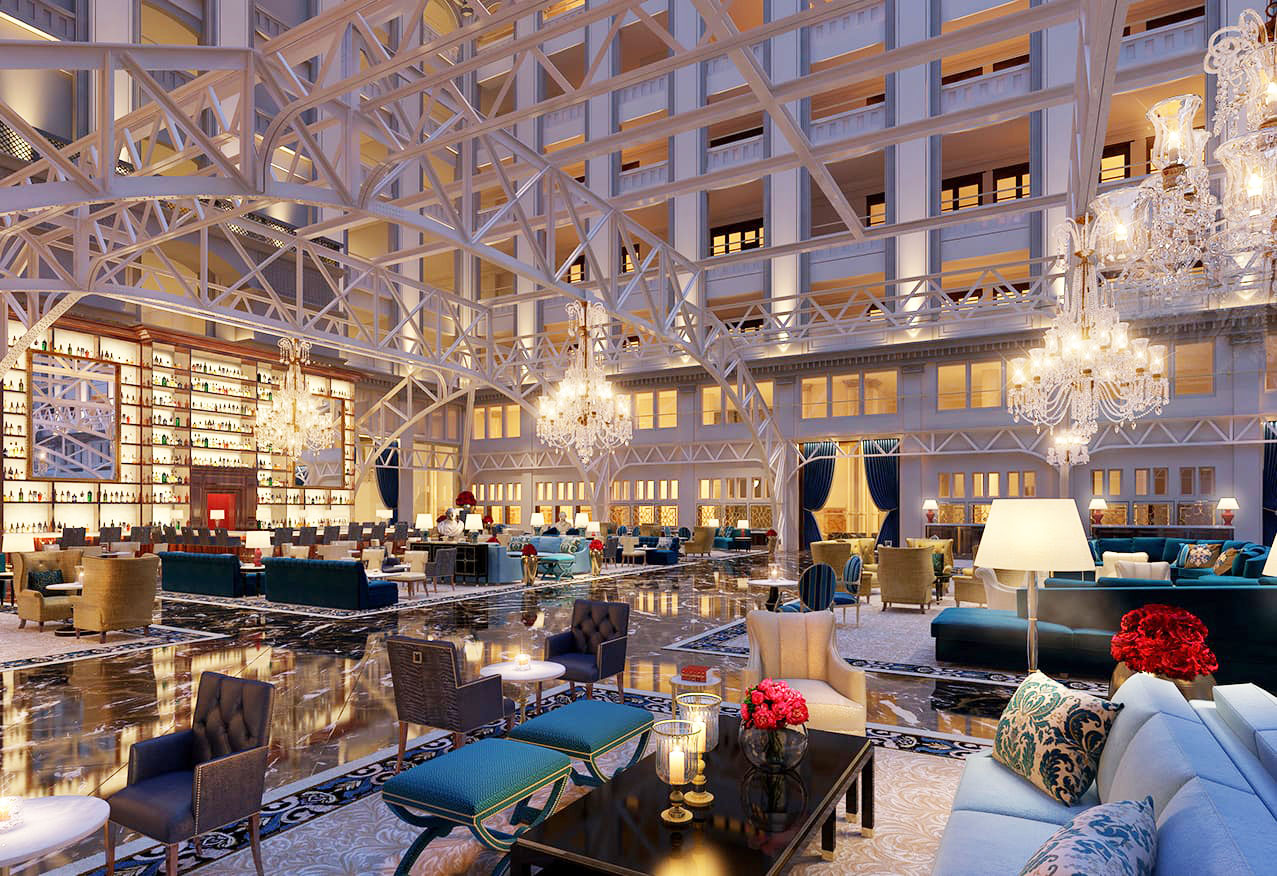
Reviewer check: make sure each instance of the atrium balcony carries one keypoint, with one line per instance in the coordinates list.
(982, 237)
(985, 89)
(847, 33)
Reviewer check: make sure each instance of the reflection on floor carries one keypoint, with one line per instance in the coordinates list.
(67, 727)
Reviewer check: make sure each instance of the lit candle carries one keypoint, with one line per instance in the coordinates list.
(677, 774)
(523, 661)
(8, 809)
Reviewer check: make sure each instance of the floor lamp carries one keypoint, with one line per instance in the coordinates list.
(1034, 536)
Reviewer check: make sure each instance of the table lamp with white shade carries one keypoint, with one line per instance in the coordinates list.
(930, 507)
(1226, 507)
(425, 522)
(742, 524)
(217, 515)
(385, 514)
(17, 543)
(257, 540)
(536, 521)
(1270, 564)
(582, 520)
(474, 525)
(592, 528)
(713, 521)
(1097, 508)
(1034, 535)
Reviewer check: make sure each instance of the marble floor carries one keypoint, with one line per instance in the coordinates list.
(67, 726)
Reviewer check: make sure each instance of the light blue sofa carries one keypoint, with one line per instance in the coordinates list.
(1211, 769)
(510, 562)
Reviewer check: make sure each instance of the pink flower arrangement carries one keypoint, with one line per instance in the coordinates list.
(771, 705)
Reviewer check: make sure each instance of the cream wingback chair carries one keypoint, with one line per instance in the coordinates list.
(798, 648)
(906, 575)
(32, 605)
(119, 594)
(996, 594)
(372, 557)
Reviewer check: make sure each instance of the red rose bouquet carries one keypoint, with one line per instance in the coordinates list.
(487, 519)
(771, 705)
(771, 533)
(596, 545)
(1164, 640)
(529, 550)
(466, 498)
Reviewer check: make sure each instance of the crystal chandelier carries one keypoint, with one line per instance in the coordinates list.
(1089, 367)
(294, 420)
(1068, 448)
(583, 414)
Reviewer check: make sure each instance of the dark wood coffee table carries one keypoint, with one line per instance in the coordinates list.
(756, 824)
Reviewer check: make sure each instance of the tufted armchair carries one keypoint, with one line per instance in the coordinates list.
(187, 783)
(799, 649)
(429, 691)
(594, 648)
(906, 575)
(32, 604)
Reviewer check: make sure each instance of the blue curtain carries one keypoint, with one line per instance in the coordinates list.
(388, 478)
(882, 472)
(1270, 481)
(817, 481)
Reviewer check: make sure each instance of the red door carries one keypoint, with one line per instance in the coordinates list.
(224, 502)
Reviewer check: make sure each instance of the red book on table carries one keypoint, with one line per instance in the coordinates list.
(694, 672)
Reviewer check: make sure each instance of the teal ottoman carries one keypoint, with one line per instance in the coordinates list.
(586, 730)
(471, 783)
(556, 566)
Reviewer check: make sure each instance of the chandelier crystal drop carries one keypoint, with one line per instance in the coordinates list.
(1089, 367)
(582, 413)
(295, 420)
(1068, 448)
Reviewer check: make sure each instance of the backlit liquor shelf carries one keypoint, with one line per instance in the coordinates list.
(185, 402)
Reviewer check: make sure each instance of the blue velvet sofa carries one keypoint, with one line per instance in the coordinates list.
(724, 537)
(1077, 620)
(665, 557)
(1210, 768)
(326, 583)
(207, 574)
(1247, 565)
(512, 562)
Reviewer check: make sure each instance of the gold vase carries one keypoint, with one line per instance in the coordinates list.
(596, 562)
(529, 569)
(1200, 688)
(771, 547)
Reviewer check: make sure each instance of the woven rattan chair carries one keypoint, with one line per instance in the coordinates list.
(427, 677)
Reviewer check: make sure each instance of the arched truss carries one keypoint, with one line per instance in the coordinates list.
(364, 116)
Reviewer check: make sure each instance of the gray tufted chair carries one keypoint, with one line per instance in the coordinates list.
(594, 647)
(187, 783)
(429, 691)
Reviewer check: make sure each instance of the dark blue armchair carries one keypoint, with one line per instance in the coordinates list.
(594, 647)
(183, 784)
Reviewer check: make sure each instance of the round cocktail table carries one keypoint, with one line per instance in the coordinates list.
(49, 824)
(537, 672)
(67, 629)
(773, 586)
(680, 685)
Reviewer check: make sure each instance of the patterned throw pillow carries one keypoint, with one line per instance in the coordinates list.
(1224, 565)
(1200, 556)
(516, 544)
(937, 562)
(1114, 839)
(39, 579)
(1053, 736)
(571, 545)
(663, 543)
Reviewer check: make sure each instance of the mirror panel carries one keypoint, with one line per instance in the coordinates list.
(75, 418)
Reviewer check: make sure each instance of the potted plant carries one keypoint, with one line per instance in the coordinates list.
(771, 543)
(529, 563)
(596, 556)
(773, 726)
(1168, 642)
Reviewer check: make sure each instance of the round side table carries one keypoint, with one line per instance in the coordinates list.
(680, 685)
(537, 672)
(49, 824)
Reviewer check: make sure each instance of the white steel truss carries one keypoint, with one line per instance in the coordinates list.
(365, 117)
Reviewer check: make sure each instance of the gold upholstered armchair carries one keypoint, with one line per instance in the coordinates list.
(119, 594)
(701, 542)
(32, 604)
(833, 553)
(906, 575)
(939, 546)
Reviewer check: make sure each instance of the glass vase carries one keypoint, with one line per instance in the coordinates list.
(774, 750)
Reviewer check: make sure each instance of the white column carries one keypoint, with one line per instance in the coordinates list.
(113, 22)
(526, 94)
(1059, 67)
(688, 213)
(786, 198)
(910, 172)
(600, 171)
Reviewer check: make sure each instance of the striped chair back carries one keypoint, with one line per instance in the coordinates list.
(851, 574)
(816, 587)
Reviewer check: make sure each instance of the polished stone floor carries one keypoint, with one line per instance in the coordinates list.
(67, 726)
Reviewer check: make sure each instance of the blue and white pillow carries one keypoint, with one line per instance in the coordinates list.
(40, 579)
(1113, 839)
(571, 545)
(517, 542)
(663, 543)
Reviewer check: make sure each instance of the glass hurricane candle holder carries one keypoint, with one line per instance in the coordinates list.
(675, 749)
(10, 812)
(702, 710)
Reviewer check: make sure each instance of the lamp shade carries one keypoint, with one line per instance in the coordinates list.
(1098, 504)
(474, 523)
(425, 521)
(384, 513)
(1270, 564)
(537, 519)
(1228, 503)
(257, 539)
(18, 543)
(1031, 535)
(742, 524)
(930, 505)
(217, 515)
(592, 528)
(582, 518)
(713, 521)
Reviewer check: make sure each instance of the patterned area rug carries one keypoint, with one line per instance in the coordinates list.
(339, 825)
(896, 641)
(29, 648)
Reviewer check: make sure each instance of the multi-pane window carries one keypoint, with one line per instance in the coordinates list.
(975, 385)
(951, 387)
(1115, 162)
(845, 396)
(1195, 368)
(881, 392)
(642, 408)
(960, 192)
(875, 209)
(576, 270)
(735, 237)
(711, 406)
(815, 393)
(667, 409)
(1270, 363)
(874, 392)
(497, 421)
(1010, 183)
